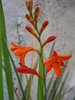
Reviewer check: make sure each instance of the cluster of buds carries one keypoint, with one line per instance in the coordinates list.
(33, 19)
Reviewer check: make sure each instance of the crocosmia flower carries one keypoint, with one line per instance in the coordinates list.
(21, 51)
(55, 61)
(26, 70)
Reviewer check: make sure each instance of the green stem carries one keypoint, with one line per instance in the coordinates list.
(41, 56)
(44, 72)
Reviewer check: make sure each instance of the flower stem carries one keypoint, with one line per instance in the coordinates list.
(44, 73)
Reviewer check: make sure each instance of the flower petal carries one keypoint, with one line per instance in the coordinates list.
(25, 70)
(65, 57)
(19, 52)
(17, 46)
(57, 70)
(49, 68)
(54, 53)
(47, 62)
(22, 59)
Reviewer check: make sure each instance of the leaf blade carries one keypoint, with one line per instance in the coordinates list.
(1, 73)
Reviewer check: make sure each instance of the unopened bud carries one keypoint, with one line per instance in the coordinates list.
(30, 19)
(28, 5)
(31, 3)
(36, 13)
(44, 25)
(29, 29)
(49, 39)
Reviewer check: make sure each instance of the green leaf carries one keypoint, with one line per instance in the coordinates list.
(1, 73)
(53, 90)
(52, 48)
(49, 84)
(40, 91)
(18, 33)
(58, 97)
(28, 82)
(15, 70)
(6, 59)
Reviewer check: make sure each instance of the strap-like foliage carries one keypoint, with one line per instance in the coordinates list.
(6, 57)
(1, 74)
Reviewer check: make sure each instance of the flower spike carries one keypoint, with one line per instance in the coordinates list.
(49, 39)
(29, 29)
(30, 19)
(21, 51)
(44, 25)
(36, 13)
(26, 70)
(55, 61)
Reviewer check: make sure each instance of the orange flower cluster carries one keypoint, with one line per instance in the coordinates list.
(54, 61)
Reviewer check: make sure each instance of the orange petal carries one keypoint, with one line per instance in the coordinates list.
(16, 46)
(19, 52)
(54, 53)
(65, 57)
(57, 70)
(22, 59)
(49, 68)
(47, 62)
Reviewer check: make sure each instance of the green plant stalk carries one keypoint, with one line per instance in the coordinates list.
(6, 58)
(18, 34)
(1, 72)
(44, 74)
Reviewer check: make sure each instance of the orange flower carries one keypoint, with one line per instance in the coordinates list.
(30, 19)
(56, 61)
(44, 25)
(36, 13)
(21, 51)
(49, 39)
(32, 31)
(25, 70)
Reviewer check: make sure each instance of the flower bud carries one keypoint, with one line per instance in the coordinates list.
(28, 5)
(36, 13)
(31, 31)
(31, 3)
(44, 25)
(49, 39)
(30, 19)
